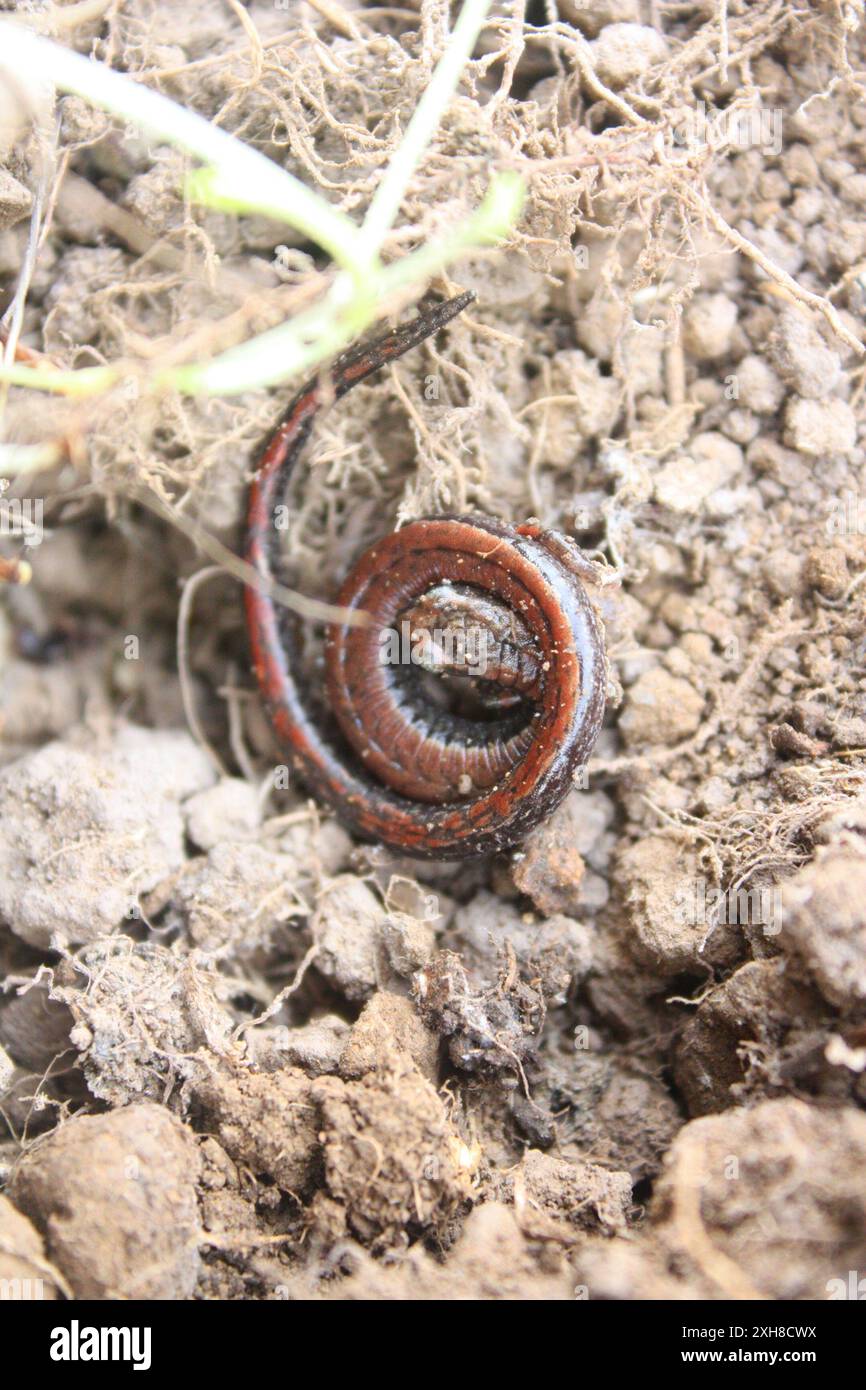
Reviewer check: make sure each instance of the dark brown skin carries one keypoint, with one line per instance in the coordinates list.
(412, 773)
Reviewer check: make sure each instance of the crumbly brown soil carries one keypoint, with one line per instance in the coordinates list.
(242, 1056)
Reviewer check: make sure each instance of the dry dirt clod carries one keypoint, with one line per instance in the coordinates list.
(550, 867)
(582, 1195)
(25, 1272)
(793, 743)
(758, 387)
(15, 200)
(489, 1027)
(767, 1202)
(801, 357)
(753, 1035)
(823, 925)
(267, 1123)
(660, 708)
(593, 15)
(140, 1013)
(114, 1197)
(685, 484)
(492, 1259)
(34, 1027)
(228, 811)
(391, 1155)
(86, 827)
(826, 571)
(555, 951)
(610, 1110)
(822, 427)
(238, 896)
(388, 1023)
(708, 326)
(347, 929)
(624, 51)
(661, 882)
(408, 942)
(315, 1048)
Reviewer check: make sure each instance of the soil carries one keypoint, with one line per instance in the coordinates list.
(243, 1056)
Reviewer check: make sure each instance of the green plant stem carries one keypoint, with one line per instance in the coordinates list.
(80, 381)
(335, 321)
(385, 206)
(240, 179)
(257, 184)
